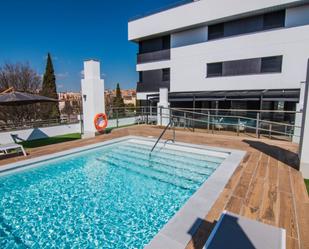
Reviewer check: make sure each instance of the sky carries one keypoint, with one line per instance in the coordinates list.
(73, 31)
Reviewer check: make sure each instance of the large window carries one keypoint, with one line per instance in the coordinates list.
(214, 69)
(271, 64)
(156, 44)
(247, 25)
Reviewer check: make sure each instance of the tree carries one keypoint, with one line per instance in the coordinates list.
(118, 101)
(22, 78)
(49, 110)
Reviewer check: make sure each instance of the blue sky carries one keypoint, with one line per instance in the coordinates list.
(72, 31)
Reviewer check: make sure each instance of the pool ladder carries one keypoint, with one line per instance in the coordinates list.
(170, 124)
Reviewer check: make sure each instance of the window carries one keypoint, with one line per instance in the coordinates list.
(215, 31)
(214, 69)
(166, 74)
(241, 67)
(274, 20)
(271, 64)
(140, 76)
(247, 25)
(155, 44)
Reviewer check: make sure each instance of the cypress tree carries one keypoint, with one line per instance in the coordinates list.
(118, 101)
(49, 110)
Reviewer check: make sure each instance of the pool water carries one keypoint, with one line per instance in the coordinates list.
(114, 196)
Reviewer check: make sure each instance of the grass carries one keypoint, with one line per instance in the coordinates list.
(307, 184)
(50, 140)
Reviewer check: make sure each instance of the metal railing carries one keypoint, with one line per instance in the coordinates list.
(250, 122)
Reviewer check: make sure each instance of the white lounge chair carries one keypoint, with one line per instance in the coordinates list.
(5, 148)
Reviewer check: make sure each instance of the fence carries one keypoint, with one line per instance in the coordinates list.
(255, 122)
(279, 124)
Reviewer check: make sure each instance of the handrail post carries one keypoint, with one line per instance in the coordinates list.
(117, 120)
(270, 127)
(160, 115)
(208, 121)
(238, 123)
(257, 125)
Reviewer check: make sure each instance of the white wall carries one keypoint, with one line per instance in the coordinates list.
(153, 65)
(197, 13)
(188, 63)
(39, 133)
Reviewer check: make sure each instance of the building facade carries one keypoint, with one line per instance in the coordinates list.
(224, 54)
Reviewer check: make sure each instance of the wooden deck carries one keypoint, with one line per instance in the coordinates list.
(266, 186)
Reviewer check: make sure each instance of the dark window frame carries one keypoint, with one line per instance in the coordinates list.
(247, 25)
(262, 65)
(214, 69)
(166, 74)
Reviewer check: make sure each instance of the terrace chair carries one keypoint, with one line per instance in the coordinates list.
(6, 148)
(233, 232)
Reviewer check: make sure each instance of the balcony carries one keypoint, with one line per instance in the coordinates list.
(154, 56)
(147, 87)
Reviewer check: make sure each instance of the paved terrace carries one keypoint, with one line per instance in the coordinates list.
(265, 187)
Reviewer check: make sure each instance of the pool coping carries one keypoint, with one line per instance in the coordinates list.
(179, 230)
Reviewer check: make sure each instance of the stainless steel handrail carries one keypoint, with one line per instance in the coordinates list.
(165, 129)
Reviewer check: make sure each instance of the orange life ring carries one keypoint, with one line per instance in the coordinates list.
(100, 121)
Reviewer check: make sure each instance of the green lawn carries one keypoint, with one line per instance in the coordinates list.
(50, 140)
(307, 184)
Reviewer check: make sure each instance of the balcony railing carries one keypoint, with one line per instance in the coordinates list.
(154, 56)
(144, 87)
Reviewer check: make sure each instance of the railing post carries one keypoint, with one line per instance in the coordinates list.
(270, 127)
(257, 133)
(208, 122)
(238, 123)
(161, 115)
(117, 120)
(185, 117)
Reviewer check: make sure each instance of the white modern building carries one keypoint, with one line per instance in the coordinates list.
(240, 54)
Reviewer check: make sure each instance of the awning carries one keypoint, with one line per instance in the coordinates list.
(291, 95)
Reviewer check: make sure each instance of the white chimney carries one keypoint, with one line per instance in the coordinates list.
(92, 96)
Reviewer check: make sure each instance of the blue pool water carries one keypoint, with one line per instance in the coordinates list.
(110, 197)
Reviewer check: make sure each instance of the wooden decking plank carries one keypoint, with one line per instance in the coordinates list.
(234, 205)
(263, 166)
(284, 179)
(273, 175)
(253, 201)
(302, 210)
(292, 243)
(243, 185)
(287, 218)
(270, 207)
(299, 186)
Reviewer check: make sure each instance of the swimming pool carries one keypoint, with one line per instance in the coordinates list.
(109, 196)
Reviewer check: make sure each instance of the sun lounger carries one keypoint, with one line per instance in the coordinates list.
(234, 232)
(6, 148)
